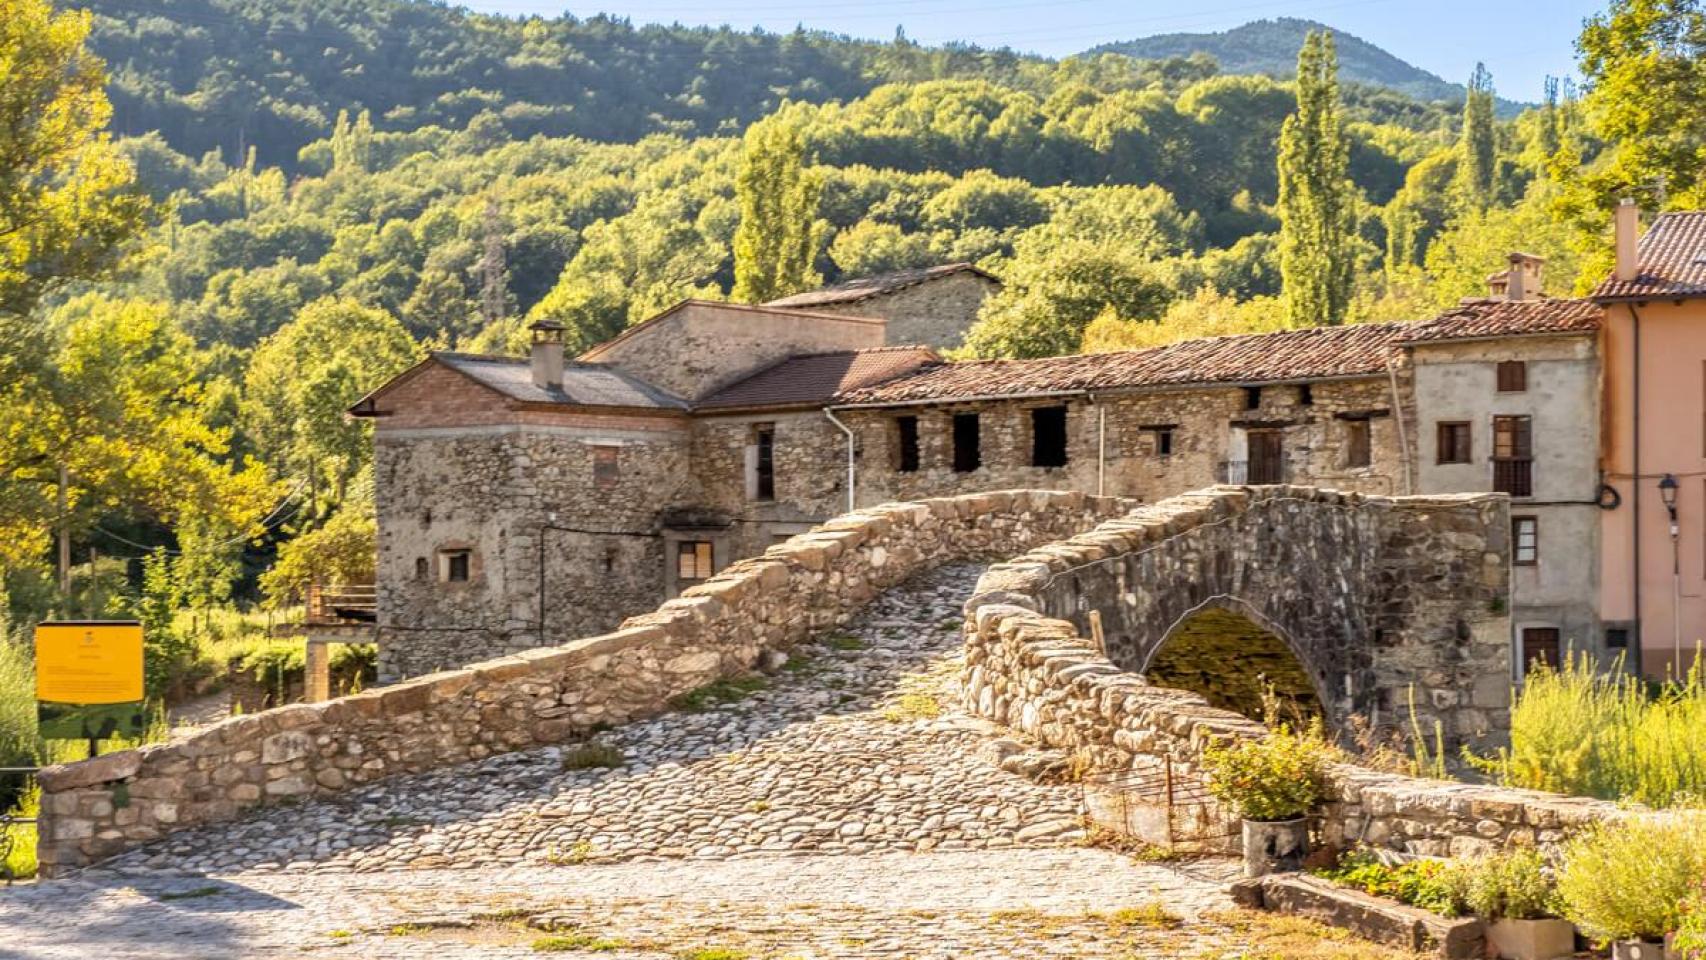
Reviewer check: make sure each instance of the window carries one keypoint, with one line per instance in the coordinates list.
(1252, 398)
(1160, 440)
(1359, 451)
(422, 568)
(906, 444)
(764, 462)
(1048, 437)
(1525, 541)
(693, 559)
(967, 456)
(1617, 638)
(1513, 456)
(1305, 395)
(606, 469)
(1454, 446)
(453, 565)
(1513, 376)
(1540, 646)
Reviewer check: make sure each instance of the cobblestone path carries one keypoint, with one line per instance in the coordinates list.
(839, 808)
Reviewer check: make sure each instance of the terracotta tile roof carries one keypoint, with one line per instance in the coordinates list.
(855, 290)
(593, 352)
(1506, 318)
(1671, 259)
(584, 384)
(812, 379)
(1289, 355)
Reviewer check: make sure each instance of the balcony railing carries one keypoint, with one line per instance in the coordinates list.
(345, 604)
(1250, 471)
(1515, 477)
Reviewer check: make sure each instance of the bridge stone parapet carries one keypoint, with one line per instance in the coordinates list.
(720, 628)
(1410, 593)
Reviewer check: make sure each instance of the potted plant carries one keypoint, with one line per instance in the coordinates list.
(1272, 783)
(1514, 892)
(1625, 881)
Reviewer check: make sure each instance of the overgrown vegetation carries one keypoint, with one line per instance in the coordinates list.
(1630, 878)
(719, 692)
(1431, 885)
(1583, 731)
(1279, 776)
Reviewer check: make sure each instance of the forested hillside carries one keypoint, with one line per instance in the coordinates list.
(1270, 47)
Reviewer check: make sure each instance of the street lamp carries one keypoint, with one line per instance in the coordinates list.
(1667, 493)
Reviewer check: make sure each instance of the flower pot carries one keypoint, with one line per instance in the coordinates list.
(1638, 950)
(1532, 939)
(1275, 846)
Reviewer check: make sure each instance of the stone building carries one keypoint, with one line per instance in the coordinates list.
(522, 499)
(934, 306)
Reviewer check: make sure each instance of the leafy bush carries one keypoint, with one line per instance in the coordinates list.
(1691, 934)
(1603, 734)
(1431, 885)
(1511, 886)
(1278, 777)
(1627, 879)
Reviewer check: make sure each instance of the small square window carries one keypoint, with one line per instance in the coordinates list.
(1160, 439)
(906, 444)
(1513, 376)
(1454, 443)
(606, 466)
(693, 559)
(968, 455)
(1305, 395)
(1525, 541)
(1048, 437)
(1252, 398)
(455, 565)
(1359, 451)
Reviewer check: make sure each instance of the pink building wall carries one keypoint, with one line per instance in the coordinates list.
(1655, 416)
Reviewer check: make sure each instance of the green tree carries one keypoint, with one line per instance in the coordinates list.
(779, 233)
(1053, 291)
(302, 379)
(1317, 205)
(1476, 169)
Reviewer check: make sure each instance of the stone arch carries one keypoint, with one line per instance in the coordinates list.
(1227, 651)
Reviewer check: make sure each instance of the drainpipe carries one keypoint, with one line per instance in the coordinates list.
(1101, 444)
(1403, 434)
(851, 476)
(1635, 489)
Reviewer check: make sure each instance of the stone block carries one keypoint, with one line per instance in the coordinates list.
(87, 773)
(286, 746)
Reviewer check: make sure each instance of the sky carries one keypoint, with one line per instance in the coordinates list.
(1520, 42)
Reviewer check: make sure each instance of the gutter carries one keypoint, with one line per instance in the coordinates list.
(851, 469)
(1403, 434)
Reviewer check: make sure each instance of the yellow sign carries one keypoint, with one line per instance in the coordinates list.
(89, 662)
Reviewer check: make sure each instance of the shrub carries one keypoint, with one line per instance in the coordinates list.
(1604, 734)
(1278, 777)
(1691, 933)
(1511, 886)
(1432, 885)
(1627, 879)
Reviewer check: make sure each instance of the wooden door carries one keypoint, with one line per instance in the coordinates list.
(1267, 456)
(1540, 645)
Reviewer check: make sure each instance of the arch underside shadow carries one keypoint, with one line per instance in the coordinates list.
(1225, 654)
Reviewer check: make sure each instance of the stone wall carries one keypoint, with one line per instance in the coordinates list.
(1378, 599)
(1044, 677)
(96, 808)
(936, 312)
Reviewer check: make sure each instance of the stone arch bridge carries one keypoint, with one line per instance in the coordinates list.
(1352, 599)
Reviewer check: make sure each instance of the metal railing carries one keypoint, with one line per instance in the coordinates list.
(8, 837)
(1251, 471)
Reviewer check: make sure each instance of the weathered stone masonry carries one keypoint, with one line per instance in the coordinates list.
(96, 808)
(1043, 675)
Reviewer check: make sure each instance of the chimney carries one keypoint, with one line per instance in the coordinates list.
(1627, 222)
(1524, 276)
(547, 360)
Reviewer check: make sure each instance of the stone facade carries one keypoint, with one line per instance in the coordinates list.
(935, 312)
(1045, 677)
(716, 629)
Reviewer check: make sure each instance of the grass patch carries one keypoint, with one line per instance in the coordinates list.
(580, 853)
(713, 953)
(845, 641)
(758, 806)
(405, 930)
(571, 942)
(593, 755)
(912, 706)
(731, 690)
(341, 934)
(191, 894)
(1149, 916)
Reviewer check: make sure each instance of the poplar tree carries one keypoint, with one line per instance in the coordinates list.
(779, 232)
(1316, 202)
(1475, 167)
